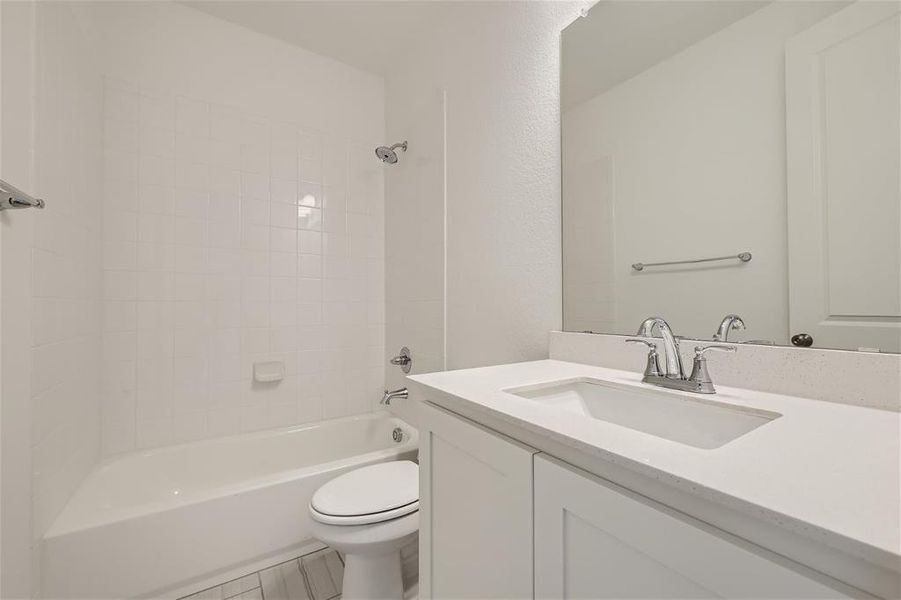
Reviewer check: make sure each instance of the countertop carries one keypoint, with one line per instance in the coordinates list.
(830, 471)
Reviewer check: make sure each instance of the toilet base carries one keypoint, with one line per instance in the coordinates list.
(372, 577)
(372, 564)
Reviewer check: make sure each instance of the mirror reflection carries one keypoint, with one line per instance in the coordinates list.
(733, 167)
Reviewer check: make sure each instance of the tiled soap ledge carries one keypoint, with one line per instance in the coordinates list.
(859, 378)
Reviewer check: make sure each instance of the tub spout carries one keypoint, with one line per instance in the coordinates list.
(392, 394)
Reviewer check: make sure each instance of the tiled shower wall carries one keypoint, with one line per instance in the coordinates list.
(65, 260)
(230, 238)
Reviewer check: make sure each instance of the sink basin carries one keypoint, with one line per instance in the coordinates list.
(696, 422)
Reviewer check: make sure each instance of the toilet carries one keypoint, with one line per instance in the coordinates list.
(369, 514)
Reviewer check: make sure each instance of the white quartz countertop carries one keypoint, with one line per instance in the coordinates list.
(828, 470)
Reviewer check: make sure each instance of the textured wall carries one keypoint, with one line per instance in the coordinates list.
(499, 65)
(414, 242)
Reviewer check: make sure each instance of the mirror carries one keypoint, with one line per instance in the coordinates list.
(734, 157)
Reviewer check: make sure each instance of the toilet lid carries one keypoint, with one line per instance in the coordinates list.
(391, 487)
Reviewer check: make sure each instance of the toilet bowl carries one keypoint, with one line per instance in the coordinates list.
(369, 514)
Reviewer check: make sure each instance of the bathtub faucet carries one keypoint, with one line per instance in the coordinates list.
(392, 394)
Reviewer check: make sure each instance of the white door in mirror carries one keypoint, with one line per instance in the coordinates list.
(842, 94)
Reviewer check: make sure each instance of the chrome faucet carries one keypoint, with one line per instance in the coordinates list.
(389, 395)
(729, 323)
(671, 356)
(674, 376)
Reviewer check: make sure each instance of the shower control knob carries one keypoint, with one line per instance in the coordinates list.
(802, 340)
(403, 360)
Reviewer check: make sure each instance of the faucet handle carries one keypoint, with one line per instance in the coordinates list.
(700, 377)
(652, 368)
(403, 360)
(700, 350)
(649, 344)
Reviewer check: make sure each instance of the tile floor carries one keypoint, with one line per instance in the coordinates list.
(314, 576)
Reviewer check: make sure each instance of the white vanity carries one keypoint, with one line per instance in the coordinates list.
(554, 479)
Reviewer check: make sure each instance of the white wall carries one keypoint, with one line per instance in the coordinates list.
(243, 221)
(589, 239)
(698, 148)
(51, 274)
(17, 25)
(414, 243)
(499, 65)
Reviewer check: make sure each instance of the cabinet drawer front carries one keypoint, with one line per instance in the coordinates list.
(594, 539)
(475, 511)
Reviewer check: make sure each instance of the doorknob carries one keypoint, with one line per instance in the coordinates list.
(802, 340)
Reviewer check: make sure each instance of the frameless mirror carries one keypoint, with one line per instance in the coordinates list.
(734, 157)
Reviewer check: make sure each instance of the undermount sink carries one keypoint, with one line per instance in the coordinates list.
(696, 422)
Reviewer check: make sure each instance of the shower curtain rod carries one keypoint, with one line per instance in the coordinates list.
(13, 197)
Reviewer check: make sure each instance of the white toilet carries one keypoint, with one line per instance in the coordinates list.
(369, 514)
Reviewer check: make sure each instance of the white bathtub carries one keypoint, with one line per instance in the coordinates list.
(159, 520)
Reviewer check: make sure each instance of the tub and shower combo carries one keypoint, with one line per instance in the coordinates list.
(206, 510)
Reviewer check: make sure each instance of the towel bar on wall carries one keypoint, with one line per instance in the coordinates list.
(742, 256)
(13, 197)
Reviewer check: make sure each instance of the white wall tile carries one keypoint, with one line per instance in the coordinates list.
(121, 105)
(309, 194)
(213, 257)
(154, 432)
(283, 264)
(153, 199)
(310, 218)
(309, 242)
(156, 170)
(192, 116)
(157, 112)
(156, 141)
(309, 265)
(81, 126)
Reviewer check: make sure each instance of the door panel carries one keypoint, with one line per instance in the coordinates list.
(843, 77)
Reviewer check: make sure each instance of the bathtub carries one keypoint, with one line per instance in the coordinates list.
(148, 523)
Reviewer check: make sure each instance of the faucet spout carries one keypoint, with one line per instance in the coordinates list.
(729, 323)
(389, 395)
(671, 354)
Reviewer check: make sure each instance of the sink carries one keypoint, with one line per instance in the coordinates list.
(677, 417)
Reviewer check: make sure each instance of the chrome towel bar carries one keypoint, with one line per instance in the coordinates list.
(13, 197)
(742, 256)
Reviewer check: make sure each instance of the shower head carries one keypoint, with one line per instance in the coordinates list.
(387, 154)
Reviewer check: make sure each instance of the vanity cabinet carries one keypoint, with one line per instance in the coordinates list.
(594, 539)
(475, 489)
(501, 519)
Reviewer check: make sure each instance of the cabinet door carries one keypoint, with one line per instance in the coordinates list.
(475, 510)
(594, 539)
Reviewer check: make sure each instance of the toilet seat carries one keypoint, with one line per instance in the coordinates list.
(367, 495)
